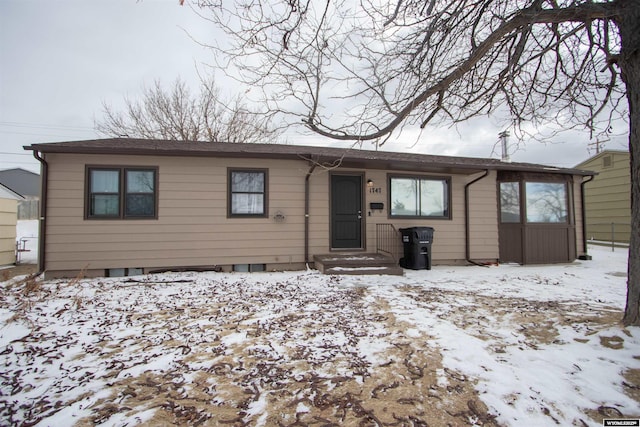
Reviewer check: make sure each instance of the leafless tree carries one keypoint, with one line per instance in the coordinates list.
(362, 69)
(178, 115)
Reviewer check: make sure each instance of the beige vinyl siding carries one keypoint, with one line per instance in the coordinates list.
(8, 218)
(192, 228)
(449, 234)
(483, 218)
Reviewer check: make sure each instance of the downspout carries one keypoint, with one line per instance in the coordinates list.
(306, 213)
(584, 216)
(42, 223)
(466, 219)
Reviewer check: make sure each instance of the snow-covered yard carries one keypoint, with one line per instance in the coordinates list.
(505, 345)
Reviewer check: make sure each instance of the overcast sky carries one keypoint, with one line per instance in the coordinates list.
(60, 60)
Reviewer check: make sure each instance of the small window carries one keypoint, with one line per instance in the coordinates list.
(510, 202)
(419, 197)
(121, 193)
(123, 272)
(249, 268)
(607, 161)
(546, 202)
(247, 193)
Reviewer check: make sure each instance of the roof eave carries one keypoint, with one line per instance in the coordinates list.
(467, 167)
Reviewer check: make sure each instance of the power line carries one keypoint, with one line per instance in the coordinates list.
(16, 154)
(36, 134)
(46, 126)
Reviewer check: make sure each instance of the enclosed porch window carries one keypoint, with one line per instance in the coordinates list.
(536, 214)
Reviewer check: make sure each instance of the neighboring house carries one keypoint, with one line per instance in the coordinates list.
(27, 184)
(126, 206)
(608, 196)
(8, 218)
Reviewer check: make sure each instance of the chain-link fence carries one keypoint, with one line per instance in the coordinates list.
(614, 234)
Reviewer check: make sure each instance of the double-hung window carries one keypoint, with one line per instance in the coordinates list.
(419, 197)
(247, 193)
(121, 192)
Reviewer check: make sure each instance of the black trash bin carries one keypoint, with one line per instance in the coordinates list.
(417, 247)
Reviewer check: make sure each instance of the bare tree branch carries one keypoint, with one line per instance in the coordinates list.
(178, 115)
(363, 69)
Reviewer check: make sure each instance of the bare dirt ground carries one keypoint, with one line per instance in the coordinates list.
(201, 350)
(17, 270)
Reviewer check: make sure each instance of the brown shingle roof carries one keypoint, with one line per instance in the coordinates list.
(350, 157)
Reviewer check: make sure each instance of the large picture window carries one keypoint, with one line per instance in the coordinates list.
(121, 192)
(419, 197)
(247, 193)
(546, 202)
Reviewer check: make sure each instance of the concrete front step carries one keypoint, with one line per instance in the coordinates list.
(357, 263)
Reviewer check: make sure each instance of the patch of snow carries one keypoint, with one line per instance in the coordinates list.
(27, 231)
(234, 339)
(11, 331)
(77, 344)
(302, 408)
(258, 408)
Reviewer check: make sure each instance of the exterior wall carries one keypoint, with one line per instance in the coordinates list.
(449, 234)
(192, 228)
(608, 197)
(483, 218)
(8, 218)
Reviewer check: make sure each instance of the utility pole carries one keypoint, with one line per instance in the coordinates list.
(597, 144)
